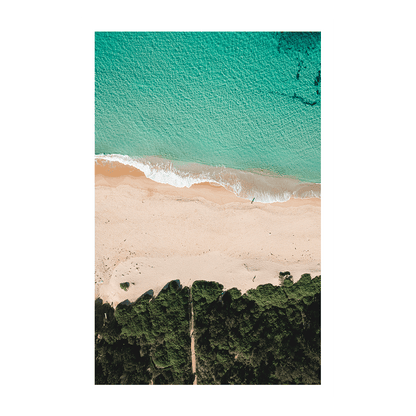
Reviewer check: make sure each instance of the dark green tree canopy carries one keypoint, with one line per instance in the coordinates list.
(269, 335)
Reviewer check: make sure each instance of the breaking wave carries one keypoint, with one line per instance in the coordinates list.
(263, 187)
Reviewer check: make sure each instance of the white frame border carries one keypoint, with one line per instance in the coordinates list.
(328, 26)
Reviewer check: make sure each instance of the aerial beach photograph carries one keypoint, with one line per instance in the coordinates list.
(207, 208)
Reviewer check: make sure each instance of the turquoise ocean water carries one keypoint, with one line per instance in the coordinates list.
(242, 109)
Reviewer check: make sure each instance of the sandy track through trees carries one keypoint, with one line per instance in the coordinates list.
(192, 338)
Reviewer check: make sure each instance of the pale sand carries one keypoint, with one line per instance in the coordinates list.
(149, 234)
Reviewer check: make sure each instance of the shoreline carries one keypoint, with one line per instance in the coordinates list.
(112, 173)
(149, 233)
(265, 186)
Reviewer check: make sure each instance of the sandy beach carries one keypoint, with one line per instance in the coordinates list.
(148, 234)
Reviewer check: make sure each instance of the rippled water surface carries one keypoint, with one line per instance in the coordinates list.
(244, 101)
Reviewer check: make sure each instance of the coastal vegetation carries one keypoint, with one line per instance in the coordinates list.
(269, 335)
(145, 341)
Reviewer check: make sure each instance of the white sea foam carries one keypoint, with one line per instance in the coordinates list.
(247, 185)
